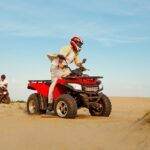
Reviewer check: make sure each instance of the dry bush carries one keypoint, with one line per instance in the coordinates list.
(147, 117)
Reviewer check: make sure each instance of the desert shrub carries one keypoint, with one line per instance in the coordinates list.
(19, 101)
(147, 117)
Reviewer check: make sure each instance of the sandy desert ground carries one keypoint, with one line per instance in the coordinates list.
(125, 129)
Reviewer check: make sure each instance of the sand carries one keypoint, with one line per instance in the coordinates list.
(125, 129)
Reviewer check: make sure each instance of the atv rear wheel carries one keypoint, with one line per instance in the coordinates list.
(33, 106)
(65, 106)
(101, 108)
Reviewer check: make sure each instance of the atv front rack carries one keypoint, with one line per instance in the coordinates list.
(83, 77)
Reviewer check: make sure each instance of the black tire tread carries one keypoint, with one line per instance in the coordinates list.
(107, 106)
(8, 100)
(34, 97)
(72, 105)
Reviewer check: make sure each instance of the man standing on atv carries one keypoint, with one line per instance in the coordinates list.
(3, 82)
(58, 69)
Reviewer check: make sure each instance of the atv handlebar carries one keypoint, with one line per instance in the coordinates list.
(94, 77)
(76, 72)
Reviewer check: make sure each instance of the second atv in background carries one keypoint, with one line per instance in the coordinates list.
(4, 96)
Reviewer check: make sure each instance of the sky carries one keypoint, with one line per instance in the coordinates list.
(116, 37)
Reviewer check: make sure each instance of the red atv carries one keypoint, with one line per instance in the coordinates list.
(4, 96)
(70, 93)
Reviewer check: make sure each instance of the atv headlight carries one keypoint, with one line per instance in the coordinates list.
(101, 86)
(4, 93)
(75, 86)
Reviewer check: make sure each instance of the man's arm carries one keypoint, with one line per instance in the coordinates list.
(77, 61)
(79, 64)
(64, 51)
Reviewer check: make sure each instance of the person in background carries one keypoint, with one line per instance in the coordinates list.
(70, 53)
(3, 81)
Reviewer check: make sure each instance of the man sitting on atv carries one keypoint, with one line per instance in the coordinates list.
(3, 82)
(58, 69)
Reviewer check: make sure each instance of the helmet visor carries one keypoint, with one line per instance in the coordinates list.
(79, 44)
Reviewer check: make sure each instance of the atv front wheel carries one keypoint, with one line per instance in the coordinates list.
(101, 108)
(65, 106)
(7, 100)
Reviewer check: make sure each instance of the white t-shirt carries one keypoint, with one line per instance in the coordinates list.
(3, 83)
(70, 57)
